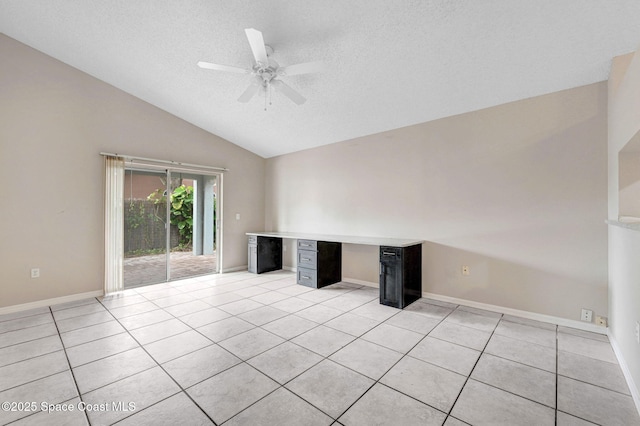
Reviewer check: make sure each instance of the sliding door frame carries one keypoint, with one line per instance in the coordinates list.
(218, 224)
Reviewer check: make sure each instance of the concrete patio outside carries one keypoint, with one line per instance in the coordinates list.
(151, 269)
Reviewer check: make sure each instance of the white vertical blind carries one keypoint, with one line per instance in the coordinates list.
(113, 224)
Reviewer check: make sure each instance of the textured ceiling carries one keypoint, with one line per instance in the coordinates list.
(390, 63)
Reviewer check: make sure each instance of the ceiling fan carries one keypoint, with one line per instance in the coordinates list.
(265, 72)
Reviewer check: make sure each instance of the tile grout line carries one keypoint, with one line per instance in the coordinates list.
(243, 361)
(474, 366)
(22, 317)
(26, 328)
(556, 375)
(377, 381)
(32, 357)
(557, 362)
(288, 314)
(73, 376)
(407, 355)
(182, 390)
(126, 331)
(596, 386)
(280, 385)
(323, 358)
(326, 357)
(523, 364)
(159, 365)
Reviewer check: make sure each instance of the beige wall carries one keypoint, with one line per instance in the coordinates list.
(518, 192)
(624, 244)
(54, 122)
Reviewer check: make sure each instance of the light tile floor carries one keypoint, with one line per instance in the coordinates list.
(241, 349)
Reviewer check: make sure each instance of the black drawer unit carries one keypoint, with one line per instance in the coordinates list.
(265, 254)
(319, 263)
(400, 275)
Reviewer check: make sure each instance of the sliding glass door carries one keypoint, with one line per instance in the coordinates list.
(193, 216)
(145, 230)
(170, 226)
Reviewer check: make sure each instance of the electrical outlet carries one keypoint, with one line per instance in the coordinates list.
(600, 320)
(638, 332)
(586, 315)
(35, 273)
(465, 270)
(237, 216)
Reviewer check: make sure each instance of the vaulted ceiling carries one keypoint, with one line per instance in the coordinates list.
(389, 63)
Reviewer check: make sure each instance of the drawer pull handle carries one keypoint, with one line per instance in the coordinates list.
(304, 277)
(386, 253)
(306, 259)
(305, 245)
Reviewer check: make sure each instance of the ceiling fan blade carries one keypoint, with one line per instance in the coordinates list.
(218, 67)
(288, 92)
(306, 68)
(257, 46)
(250, 92)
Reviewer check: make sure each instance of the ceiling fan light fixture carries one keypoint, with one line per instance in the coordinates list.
(266, 70)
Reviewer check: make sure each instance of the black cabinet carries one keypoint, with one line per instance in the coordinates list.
(400, 275)
(319, 263)
(265, 254)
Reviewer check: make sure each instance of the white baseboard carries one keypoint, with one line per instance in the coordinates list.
(519, 313)
(50, 302)
(234, 269)
(245, 268)
(500, 309)
(635, 392)
(494, 308)
(361, 282)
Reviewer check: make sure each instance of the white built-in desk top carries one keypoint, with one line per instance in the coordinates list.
(347, 239)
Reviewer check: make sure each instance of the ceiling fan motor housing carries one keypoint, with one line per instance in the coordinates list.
(269, 72)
